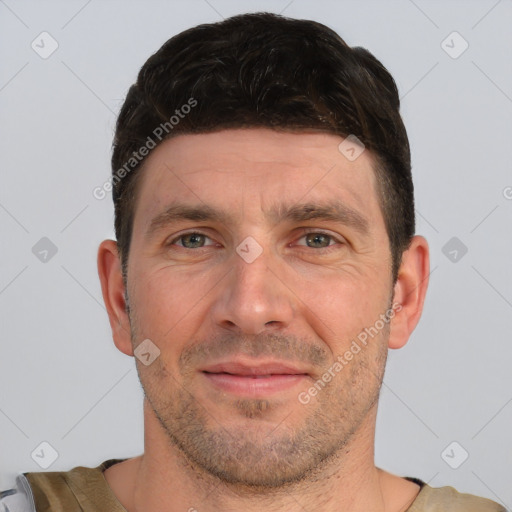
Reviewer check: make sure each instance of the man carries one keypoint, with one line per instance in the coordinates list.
(265, 262)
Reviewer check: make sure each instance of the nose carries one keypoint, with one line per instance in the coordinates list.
(253, 297)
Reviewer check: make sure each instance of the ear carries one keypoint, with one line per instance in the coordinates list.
(410, 289)
(113, 290)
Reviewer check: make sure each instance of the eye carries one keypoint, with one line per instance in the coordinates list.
(318, 240)
(192, 240)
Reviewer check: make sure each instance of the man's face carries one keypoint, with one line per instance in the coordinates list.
(273, 259)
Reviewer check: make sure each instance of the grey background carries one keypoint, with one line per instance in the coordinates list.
(63, 381)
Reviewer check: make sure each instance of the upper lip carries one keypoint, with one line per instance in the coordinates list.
(255, 368)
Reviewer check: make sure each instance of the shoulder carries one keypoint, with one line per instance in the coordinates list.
(58, 491)
(441, 499)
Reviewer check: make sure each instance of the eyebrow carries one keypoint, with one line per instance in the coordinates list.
(179, 212)
(334, 211)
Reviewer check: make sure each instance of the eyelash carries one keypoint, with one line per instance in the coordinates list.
(306, 231)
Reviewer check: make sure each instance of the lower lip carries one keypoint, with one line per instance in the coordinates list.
(250, 386)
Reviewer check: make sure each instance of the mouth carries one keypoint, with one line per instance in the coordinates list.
(255, 379)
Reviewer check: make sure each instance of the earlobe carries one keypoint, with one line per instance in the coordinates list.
(410, 289)
(113, 291)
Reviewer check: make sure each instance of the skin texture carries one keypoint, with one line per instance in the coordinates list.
(302, 301)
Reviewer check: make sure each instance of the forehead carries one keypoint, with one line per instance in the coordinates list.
(250, 170)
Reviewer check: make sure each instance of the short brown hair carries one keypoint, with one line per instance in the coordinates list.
(265, 70)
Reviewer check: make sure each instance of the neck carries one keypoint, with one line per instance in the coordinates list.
(165, 480)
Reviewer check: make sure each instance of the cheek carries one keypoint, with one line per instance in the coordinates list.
(166, 303)
(339, 308)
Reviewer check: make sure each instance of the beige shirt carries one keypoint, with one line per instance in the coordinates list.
(85, 489)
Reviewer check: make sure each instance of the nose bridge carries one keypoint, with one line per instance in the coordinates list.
(252, 298)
